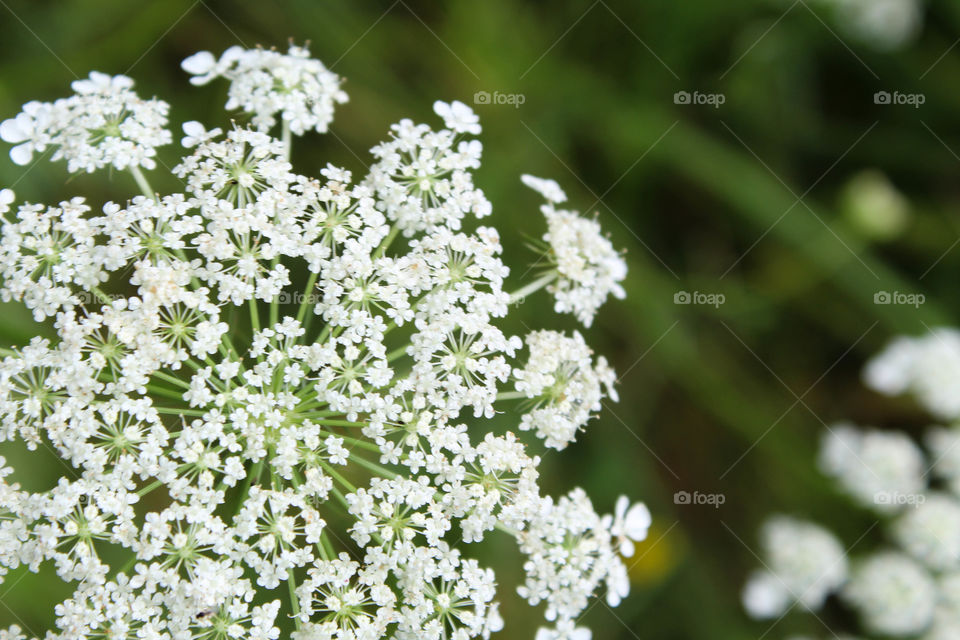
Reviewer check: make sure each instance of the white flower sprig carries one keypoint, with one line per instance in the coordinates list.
(271, 379)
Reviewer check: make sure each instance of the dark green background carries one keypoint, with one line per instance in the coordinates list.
(729, 400)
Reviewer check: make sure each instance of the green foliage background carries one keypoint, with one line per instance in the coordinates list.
(746, 200)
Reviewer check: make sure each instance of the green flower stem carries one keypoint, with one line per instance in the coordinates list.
(150, 487)
(172, 379)
(339, 478)
(327, 545)
(143, 183)
(373, 466)
(396, 353)
(387, 241)
(101, 296)
(363, 444)
(274, 303)
(254, 315)
(307, 296)
(166, 393)
(339, 495)
(511, 395)
(294, 601)
(252, 476)
(286, 137)
(341, 423)
(196, 413)
(520, 294)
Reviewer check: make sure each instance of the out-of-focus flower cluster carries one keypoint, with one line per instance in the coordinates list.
(273, 379)
(911, 586)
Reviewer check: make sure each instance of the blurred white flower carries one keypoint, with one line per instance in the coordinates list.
(882, 470)
(913, 589)
(885, 24)
(805, 563)
(893, 594)
(930, 532)
(927, 367)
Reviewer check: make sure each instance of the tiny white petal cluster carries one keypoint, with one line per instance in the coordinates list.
(875, 467)
(104, 123)
(563, 384)
(297, 89)
(424, 176)
(585, 269)
(930, 532)
(928, 367)
(805, 563)
(894, 595)
(7, 197)
(272, 378)
(458, 117)
(910, 587)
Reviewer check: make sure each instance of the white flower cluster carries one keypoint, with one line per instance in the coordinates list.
(887, 25)
(805, 563)
(584, 267)
(266, 84)
(104, 123)
(271, 378)
(927, 367)
(910, 587)
(563, 385)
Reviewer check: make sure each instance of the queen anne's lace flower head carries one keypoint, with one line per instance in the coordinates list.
(268, 84)
(271, 378)
(423, 178)
(563, 385)
(103, 124)
(583, 267)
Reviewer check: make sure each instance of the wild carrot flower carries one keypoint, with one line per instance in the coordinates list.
(272, 391)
